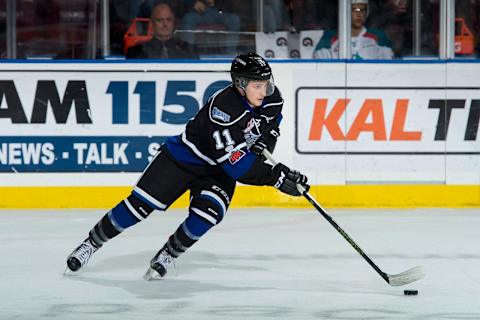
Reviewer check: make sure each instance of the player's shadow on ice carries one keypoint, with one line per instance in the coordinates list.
(126, 272)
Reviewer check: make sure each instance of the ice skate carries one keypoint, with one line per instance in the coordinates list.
(159, 265)
(80, 256)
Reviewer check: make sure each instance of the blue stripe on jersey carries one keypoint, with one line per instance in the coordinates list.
(181, 152)
(241, 167)
(122, 216)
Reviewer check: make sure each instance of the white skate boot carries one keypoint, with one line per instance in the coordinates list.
(159, 265)
(80, 256)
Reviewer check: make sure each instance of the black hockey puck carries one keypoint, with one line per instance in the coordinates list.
(410, 292)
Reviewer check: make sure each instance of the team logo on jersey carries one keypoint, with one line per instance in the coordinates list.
(251, 124)
(252, 131)
(236, 155)
(219, 114)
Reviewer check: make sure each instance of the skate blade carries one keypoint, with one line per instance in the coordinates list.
(152, 274)
(70, 273)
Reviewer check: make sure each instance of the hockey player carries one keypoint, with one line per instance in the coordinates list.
(223, 144)
(365, 43)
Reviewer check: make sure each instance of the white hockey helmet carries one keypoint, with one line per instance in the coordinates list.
(362, 2)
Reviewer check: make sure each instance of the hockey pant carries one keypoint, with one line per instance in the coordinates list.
(161, 184)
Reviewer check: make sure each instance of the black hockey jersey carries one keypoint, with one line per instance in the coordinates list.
(222, 133)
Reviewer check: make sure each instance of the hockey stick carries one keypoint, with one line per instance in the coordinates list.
(406, 277)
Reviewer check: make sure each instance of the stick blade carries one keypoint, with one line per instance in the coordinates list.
(406, 277)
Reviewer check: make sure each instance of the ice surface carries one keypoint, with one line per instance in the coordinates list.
(257, 264)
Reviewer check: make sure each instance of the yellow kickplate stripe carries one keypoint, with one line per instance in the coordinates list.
(350, 196)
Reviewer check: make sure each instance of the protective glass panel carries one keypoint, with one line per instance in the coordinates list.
(210, 28)
(47, 29)
(426, 36)
(467, 26)
(181, 29)
(3, 29)
(394, 29)
(299, 27)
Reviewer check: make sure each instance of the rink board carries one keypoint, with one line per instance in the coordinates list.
(353, 196)
(366, 134)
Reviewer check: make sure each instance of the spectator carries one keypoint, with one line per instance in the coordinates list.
(211, 12)
(163, 44)
(365, 43)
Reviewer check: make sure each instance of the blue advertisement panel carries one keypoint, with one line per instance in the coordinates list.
(77, 153)
(95, 121)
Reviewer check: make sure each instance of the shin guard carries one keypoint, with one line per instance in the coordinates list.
(126, 214)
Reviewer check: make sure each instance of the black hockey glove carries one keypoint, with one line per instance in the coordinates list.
(287, 180)
(267, 140)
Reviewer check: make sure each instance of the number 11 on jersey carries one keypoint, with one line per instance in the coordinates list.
(218, 139)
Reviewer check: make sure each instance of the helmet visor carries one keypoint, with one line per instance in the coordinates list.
(268, 86)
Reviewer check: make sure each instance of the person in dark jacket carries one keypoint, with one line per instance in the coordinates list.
(163, 44)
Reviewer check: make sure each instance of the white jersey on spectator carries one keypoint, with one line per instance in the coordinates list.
(369, 44)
